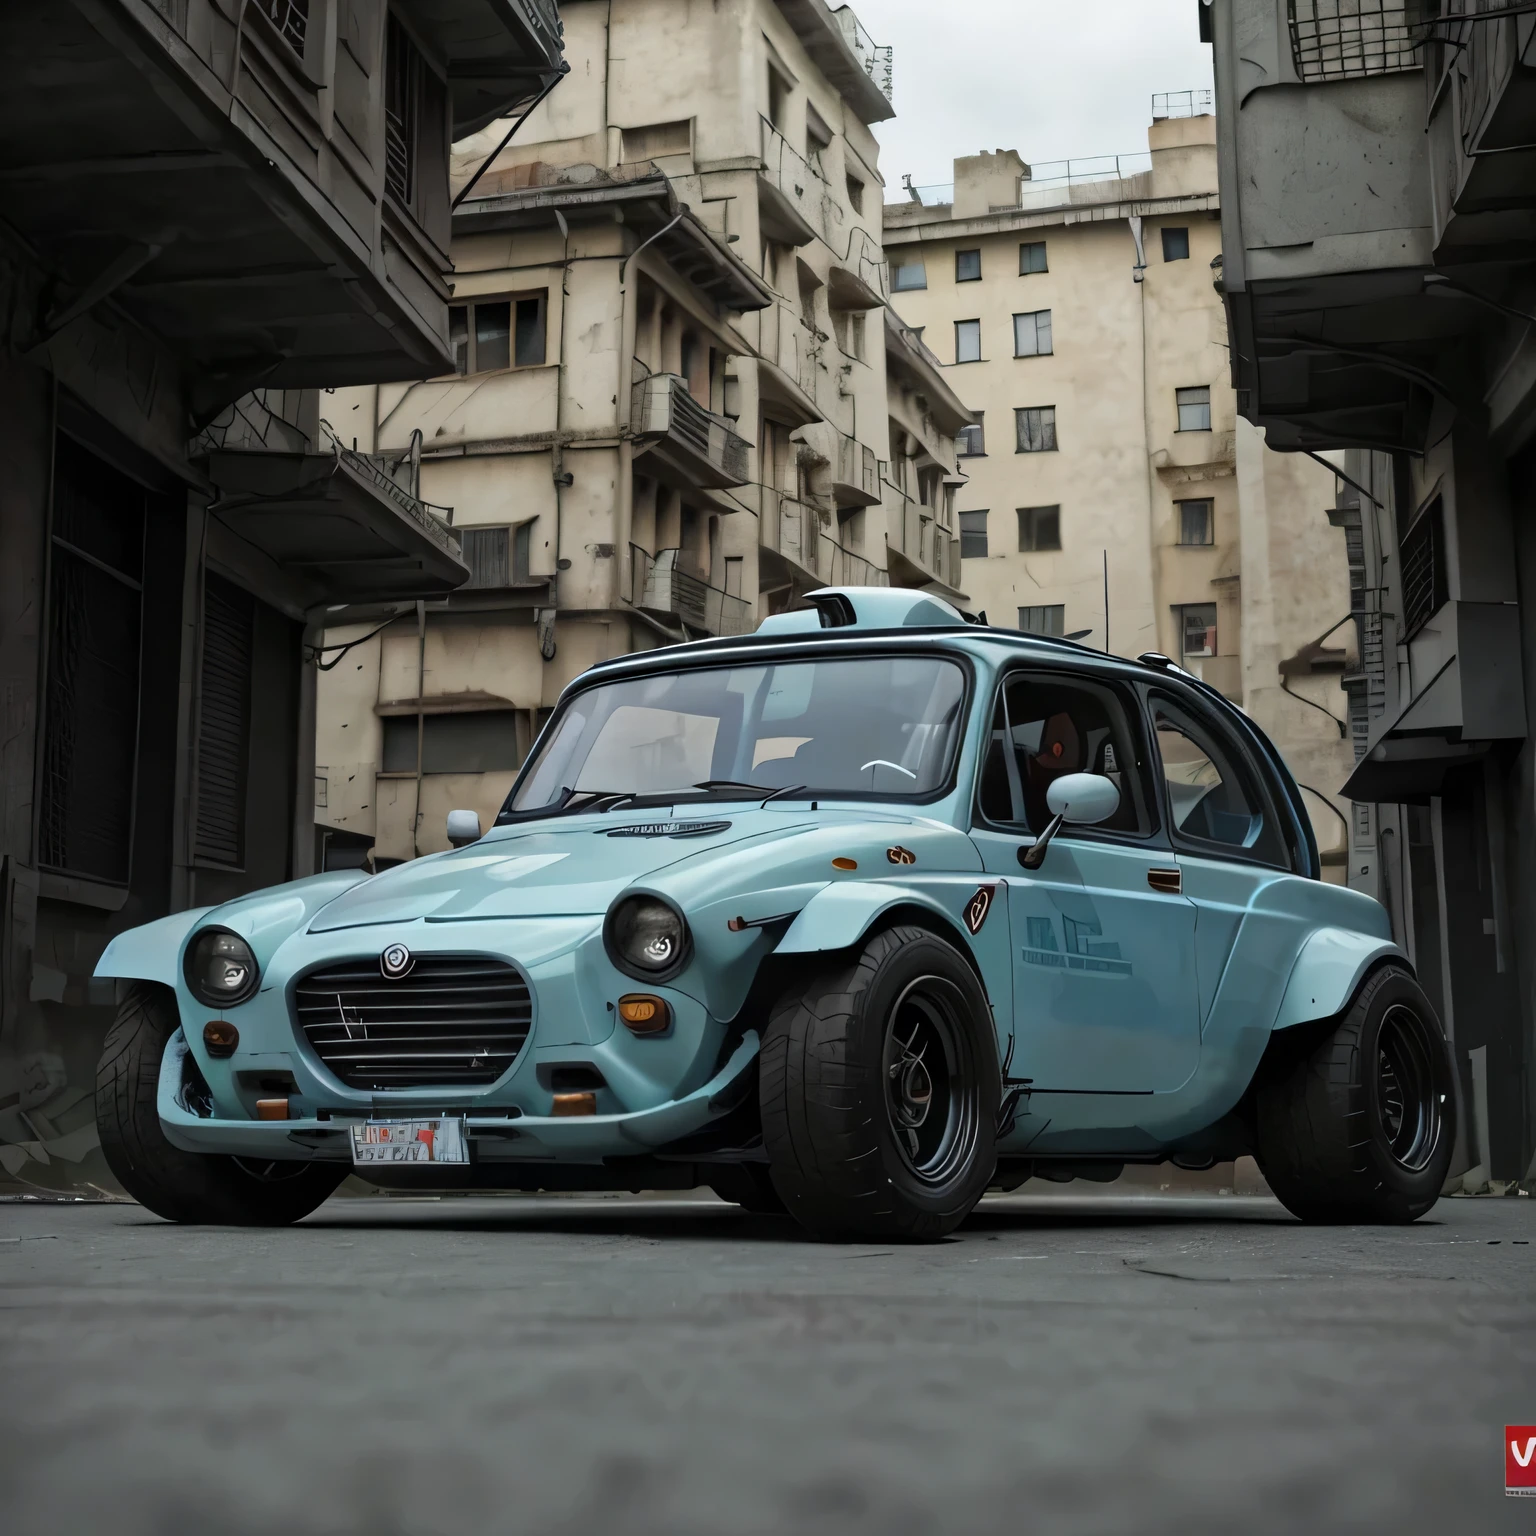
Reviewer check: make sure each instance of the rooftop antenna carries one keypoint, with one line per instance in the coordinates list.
(912, 191)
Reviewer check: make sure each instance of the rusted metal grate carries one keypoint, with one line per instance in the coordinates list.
(1354, 39)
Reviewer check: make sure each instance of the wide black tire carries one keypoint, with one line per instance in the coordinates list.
(838, 1089)
(749, 1185)
(1360, 1125)
(185, 1186)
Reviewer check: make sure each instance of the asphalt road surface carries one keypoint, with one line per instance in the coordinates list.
(1094, 1364)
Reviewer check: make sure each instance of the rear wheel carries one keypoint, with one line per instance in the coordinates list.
(1360, 1126)
(186, 1186)
(879, 1088)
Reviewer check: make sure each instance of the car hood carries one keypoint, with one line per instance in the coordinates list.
(572, 867)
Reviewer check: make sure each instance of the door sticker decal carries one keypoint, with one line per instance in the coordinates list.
(978, 906)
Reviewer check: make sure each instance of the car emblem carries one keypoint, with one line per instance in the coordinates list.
(396, 961)
(900, 855)
(978, 906)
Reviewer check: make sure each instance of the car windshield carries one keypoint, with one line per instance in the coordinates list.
(877, 725)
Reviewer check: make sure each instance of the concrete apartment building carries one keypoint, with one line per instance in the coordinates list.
(223, 209)
(1379, 224)
(1112, 491)
(680, 399)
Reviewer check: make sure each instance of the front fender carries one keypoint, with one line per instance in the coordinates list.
(151, 952)
(1329, 969)
(839, 915)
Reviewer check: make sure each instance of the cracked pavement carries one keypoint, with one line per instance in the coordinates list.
(1067, 1362)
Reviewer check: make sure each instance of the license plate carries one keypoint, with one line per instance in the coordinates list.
(410, 1141)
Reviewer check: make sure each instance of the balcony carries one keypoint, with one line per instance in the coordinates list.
(1366, 259)
(844, 52)
(344, 527)
(793, 195)
(921, 552)
(680, 441)
(663, 588)
(799, 548)
(855, 474)
(229, 190)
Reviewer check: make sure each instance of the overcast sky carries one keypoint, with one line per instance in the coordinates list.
(1053, 79)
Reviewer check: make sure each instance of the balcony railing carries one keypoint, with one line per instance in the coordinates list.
(800, 532)
(661, 586)
(701, 445)
(913, 531)
(1354, 39)
(855, 474)
(877, 61)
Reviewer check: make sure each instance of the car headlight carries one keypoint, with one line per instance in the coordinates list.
(647, 937)
(220, 968)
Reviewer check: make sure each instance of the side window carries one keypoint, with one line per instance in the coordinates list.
(1215, 799)
(1045, 726)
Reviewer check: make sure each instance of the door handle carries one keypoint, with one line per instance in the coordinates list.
(1169, 881)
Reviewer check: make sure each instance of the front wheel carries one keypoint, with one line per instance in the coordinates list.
(1361, 1125)
(879, 1090)
(186, 1186)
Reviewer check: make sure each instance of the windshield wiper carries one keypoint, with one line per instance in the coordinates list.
(714, 786)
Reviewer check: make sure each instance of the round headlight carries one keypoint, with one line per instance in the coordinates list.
(646, 936)
(221, 970)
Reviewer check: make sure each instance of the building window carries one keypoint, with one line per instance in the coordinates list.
(1197, 525)
(291, 18)
(973, 535)
(967, 341)
(489, 334)
(1036, 425)
(1044, 619)
(779, 92)
(95, 600)
(1194, 408)
(856, 194)
(818, 138)
(972, 441)
(1175, 245)
(1032, 334)
(402, 91)
(1197, 625)
(967, 266)
(907, 275)
(1032, 257)
(484, 741)
(1039, 529)
(1426, 588)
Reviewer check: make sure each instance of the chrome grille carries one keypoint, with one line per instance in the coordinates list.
(454, 1021)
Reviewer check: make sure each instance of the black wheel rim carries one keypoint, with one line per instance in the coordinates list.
(932, 1100)
(270, 1171)
(1409, 1101)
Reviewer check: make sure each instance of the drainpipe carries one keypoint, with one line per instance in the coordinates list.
(1146, 431)
(628, 324)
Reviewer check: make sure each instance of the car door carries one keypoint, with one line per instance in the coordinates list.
(1105, 995)
(1226, 832)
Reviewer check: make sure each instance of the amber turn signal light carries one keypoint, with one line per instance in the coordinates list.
(575, 1104)
(271, 1109)
(220, 1038)
(845, 863)
(644, 1014)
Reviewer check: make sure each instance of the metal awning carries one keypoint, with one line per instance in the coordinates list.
(336, 524)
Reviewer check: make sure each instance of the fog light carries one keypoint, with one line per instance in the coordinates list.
(271, 1109)
(644, 1014)
(220, 1038)
(575, 1104)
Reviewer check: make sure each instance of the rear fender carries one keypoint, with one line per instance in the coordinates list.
(1328, 972)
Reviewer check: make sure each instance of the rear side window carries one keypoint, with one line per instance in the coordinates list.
(1046, 725)
(1217, 802)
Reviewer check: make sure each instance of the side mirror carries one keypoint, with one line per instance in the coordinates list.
(1083, 798)
(463, 828)
(1079, 798)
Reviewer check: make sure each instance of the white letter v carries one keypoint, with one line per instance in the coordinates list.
(1530, 1450)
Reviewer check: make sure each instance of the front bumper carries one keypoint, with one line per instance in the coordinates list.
(493, 1137)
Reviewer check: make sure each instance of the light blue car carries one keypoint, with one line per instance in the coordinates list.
(857, 917)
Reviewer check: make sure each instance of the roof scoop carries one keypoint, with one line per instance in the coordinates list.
(862, 608)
